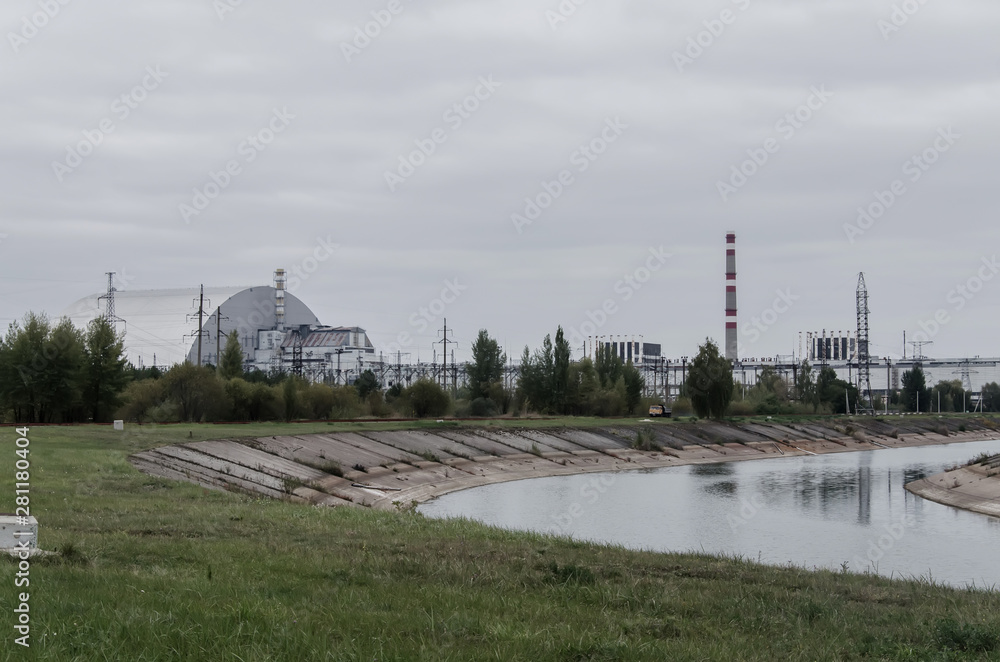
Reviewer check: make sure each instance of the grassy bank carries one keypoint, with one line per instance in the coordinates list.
(150, 569)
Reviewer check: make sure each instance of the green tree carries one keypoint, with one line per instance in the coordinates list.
(805, 385)
(427, 398)
(231, 362)
(290, 395)
(105, 369)
(834, 392)
(40, 368)
(990, 397)
(915, 395)
(64, 371)
(535, 380)
(486, 367)
(608, 365)
(196, 391)
(634, 383)
(140, 398)
(710, 381)
(366, 384)
(559, 386)
(951, 394)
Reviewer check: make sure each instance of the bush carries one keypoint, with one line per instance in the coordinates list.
(744, 408)
(427, 398)
(317, 401)
(377, 406)
(483, 408)
(681, 407)
(140, 399)
(345, 402)
(607, 402)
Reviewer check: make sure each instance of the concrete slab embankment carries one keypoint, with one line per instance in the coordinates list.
(387, 469)
(975, 487)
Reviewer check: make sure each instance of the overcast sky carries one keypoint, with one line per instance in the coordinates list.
(116, 115)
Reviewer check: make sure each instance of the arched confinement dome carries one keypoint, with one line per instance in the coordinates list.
(164, 323)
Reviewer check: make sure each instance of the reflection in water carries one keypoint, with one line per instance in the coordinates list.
(717, 469)
(723, 487)
(809, 511)
(865, 493)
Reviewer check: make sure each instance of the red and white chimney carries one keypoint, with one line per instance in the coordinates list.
(731, 325)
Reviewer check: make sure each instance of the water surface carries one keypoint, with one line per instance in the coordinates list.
(818, 511)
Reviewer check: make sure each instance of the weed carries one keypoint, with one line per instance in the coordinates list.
(430, 456)
(645, 440)
(949, 635)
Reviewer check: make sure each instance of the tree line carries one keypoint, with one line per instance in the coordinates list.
(56, 373)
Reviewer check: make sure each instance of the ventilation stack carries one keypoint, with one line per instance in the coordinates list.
(279, 299)
(731, 326)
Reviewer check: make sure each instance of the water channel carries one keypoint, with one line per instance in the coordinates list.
(815, 512)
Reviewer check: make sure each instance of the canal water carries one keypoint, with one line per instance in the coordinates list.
(819, 511)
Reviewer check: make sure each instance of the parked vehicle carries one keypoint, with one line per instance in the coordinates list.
(659, 410)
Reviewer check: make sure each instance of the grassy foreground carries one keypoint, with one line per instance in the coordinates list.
(150, 569)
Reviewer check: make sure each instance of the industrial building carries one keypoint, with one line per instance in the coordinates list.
(276, 330)
(627, 348)
(821, 347)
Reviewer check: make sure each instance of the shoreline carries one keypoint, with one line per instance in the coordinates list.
(975, 488)
(399, 469)
(691, 455)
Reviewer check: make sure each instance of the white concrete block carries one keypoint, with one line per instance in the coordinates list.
(12, 532)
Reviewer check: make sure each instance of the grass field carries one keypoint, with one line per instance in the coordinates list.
(149, 569)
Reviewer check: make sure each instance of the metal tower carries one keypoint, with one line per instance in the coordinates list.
(109, 310)
(865, 404)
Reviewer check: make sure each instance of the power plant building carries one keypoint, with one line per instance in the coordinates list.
(820, 347)
(627, 348)
(276, 330)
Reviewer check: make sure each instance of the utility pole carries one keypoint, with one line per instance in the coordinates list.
(444, 354)
(218, 336)
(201, 318)
(201, 315)
(888, 381)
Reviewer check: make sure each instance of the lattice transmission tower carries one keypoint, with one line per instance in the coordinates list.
(865, 403)
(109, 299)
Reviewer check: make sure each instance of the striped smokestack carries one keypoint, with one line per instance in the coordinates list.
(731, 342)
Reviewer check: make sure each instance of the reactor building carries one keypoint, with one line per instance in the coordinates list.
(277, 331)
